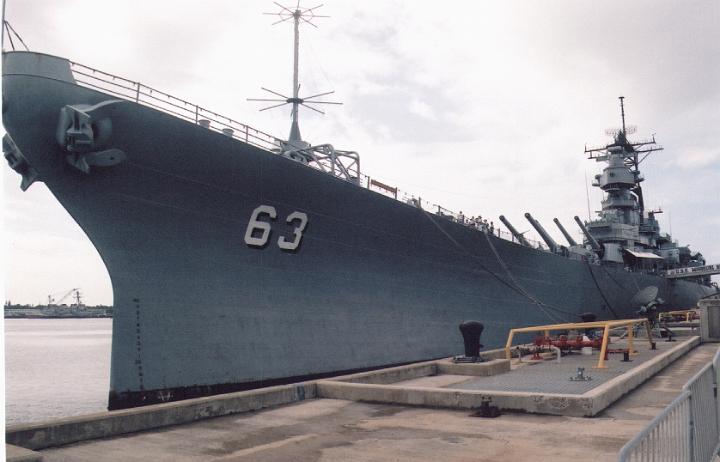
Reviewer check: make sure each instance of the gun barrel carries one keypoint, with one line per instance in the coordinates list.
(521, 239)
(541, 231)
(593, 242)
(569, 238)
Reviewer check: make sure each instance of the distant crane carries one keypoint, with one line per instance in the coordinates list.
(75, 292)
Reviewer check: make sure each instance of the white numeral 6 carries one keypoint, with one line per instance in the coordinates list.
(264, 228)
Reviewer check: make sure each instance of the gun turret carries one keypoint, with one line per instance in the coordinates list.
(521, 239)
(541, 231)
(593, 242)
(569, 238)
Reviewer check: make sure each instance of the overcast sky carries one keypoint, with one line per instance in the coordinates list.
(481, 106)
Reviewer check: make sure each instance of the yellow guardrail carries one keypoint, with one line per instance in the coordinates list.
(688, 314)
(606, 325)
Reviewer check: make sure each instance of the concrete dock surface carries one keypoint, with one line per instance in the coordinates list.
(340, 430)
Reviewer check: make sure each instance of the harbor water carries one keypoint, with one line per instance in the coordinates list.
(56, 368)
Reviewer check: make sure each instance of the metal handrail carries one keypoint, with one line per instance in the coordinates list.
(704, 418)
(628, 324)
(695, 437)
(149, 96)
(682, 445)
(178, 107)
(695, 378)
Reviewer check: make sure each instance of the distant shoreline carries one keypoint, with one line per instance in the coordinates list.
(56, 317)
(57, 312)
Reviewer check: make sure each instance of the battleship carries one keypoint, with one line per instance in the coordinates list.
(240, 260)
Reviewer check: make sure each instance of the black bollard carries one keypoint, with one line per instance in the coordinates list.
(487, 409)
(471, 332)
(589, 317)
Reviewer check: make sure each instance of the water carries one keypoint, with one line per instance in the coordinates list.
(56, 368)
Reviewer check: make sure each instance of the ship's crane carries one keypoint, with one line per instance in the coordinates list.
(74, 291)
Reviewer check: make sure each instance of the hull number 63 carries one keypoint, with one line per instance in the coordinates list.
(258, 231)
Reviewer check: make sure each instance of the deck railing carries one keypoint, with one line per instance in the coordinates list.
(148, 96)
(704, 407)
(685, 431)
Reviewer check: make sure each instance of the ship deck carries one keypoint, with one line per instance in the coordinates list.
(348, 429)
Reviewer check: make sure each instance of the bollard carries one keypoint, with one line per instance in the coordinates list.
(589, 317)
(487, 409)
(471, 332)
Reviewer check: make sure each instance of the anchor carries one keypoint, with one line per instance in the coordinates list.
(83, 131)
(17, 162)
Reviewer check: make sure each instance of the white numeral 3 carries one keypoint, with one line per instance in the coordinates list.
(302, 217)
(264, 228)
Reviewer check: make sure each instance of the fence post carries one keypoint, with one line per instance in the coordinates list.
(691, 426)
(137, 92)
(715, 400)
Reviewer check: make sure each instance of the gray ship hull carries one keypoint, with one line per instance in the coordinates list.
(373, 281)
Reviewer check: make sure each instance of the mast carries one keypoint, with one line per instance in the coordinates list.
(622, 223)
(10, 31)
(637, 189)
(295, 128)
(342, 164)
(623, 152)
(2, 37)
(306, 15)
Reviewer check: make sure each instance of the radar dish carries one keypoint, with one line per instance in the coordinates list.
(645, 296)
(629, 130)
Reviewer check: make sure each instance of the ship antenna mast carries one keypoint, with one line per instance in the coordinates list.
(630, 151)
(306, 15)
(342, 164)
(9, 30)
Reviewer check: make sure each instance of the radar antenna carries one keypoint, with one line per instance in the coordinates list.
(342, 164)
(629, 151)
(306, 15)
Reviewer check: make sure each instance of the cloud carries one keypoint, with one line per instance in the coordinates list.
(483, 107)
(421, 109)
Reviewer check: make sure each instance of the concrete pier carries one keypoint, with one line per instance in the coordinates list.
(257, 426)
(527, 387)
